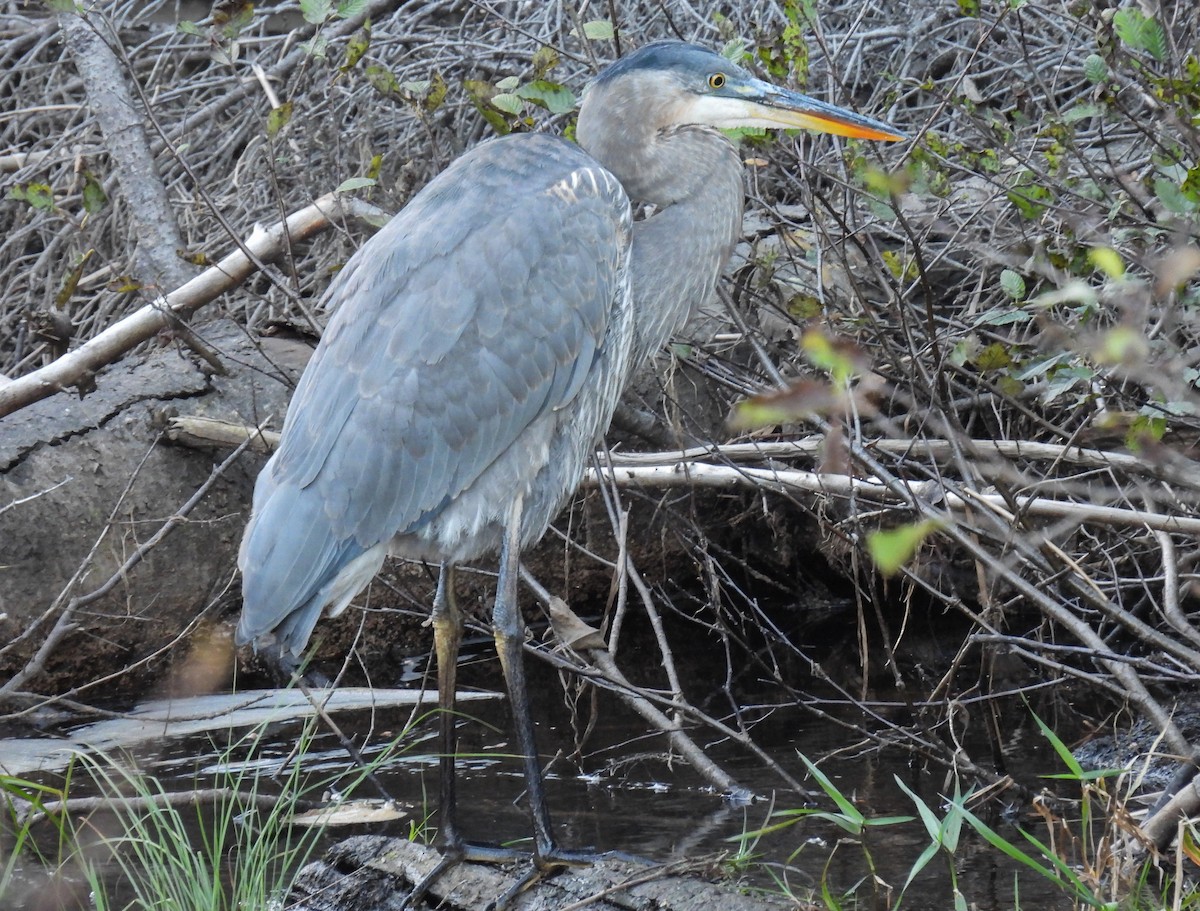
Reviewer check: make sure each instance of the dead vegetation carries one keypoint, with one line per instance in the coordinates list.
(982, 343)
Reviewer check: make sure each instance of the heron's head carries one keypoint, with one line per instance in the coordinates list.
(671, 84)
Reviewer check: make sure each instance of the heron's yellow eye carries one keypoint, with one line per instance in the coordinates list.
(716, 80)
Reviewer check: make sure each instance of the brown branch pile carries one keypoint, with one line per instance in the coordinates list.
(1007, 306)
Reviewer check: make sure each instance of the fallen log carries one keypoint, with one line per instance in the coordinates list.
(376, 873)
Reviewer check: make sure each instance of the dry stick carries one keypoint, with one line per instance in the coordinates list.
(603, 672)
(660, 634)
(231, 271)
(196, 797)
(1184, 471)
(1163, 826)
(1171, 611)
(196, 121)
(634, 698)
(33, 496)
(696, 474)
(630, 469)
(1051, 609)
(66, 620)
(125, 139)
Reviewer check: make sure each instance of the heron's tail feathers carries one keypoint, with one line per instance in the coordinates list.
(294, 568)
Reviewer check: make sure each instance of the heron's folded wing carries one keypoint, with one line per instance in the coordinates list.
(482, 306)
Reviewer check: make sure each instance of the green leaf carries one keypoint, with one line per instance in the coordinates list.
(1174, 200)
(598, 30)
(481, 94)
(1107, 260)
(1095, 68)
(1006, 847)
(38, 195)
(508, 103)
(350, 184)
(995, 356)
(278, 118)
(188, 27)
(734, 50)
(436, 93)
(1145, 429)
(841, 360)
(94, 197)
(544, 60)
(1004, 317)
(316, 47)
(348, 9)
(1082, 112)
(1012, 284)
(1063, 751)
(1122, 345)
(70, 281)
(356, 49)
(1140, 32)
(849, 810)
(384, 81)
(929, 819)
(315, 11)
(553, 97)
(891, 548)
(1030, 198)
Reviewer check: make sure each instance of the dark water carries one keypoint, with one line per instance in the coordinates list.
(624, 794)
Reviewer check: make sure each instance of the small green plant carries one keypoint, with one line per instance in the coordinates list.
(846, 817)
(231, 854)
(235, 844)
(23, 799)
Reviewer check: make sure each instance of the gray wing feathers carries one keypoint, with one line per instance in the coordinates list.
(478, 309)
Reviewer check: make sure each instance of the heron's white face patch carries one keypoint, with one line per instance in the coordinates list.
(791, 111)
(727, 113)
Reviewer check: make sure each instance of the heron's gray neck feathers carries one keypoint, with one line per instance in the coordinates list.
(691, 173)
(680, 251)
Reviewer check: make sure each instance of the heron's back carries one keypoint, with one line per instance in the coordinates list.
(480, 342)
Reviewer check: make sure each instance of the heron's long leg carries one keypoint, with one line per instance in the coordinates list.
(508, 627)
(447, 634)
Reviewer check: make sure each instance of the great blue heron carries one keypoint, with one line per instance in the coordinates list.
(479, 346)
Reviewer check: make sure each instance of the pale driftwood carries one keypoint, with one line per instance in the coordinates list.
(82, 363)
(1163, 827)
(82, 806)
(659, 469)
(1166, 465)
(375, 872)
(210, 433)
(160, 719)
(698, 474)
(119, 119)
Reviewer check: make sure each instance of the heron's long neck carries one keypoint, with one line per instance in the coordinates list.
(694, 176)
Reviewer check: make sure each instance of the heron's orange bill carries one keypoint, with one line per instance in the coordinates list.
(783, 108)
(839, 126)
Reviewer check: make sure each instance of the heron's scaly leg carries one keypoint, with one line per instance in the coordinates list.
(447, 634)
(508, 627)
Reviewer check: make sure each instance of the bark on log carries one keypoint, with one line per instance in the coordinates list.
(84, 483)
(376, 873)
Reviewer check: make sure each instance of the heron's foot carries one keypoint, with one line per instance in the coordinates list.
(551, 863)
(455, 853)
